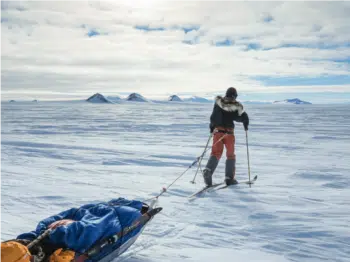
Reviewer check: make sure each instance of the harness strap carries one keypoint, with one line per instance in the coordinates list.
(224, 131)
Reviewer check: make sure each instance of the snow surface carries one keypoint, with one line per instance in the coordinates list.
(61, 155)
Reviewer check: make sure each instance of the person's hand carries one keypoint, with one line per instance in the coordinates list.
(245, 124)
(59, 223)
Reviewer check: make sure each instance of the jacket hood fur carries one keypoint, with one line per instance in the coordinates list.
(229, 104)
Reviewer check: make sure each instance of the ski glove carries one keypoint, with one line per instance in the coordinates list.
(245, 124)
(245, 120)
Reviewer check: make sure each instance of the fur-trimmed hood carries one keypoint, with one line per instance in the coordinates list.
(229, 104)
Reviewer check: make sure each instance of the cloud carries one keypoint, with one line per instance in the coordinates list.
(157, 47)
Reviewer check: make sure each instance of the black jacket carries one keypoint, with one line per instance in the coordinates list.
(226, 110)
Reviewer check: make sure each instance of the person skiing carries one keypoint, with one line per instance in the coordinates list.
(226, 110)
(88, 233)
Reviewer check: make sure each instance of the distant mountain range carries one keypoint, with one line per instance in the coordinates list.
(295, 101)
(175, 98)
(99, 98)
(135, 97)
(197, 99)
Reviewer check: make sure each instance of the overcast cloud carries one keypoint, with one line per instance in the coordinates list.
(165, 47)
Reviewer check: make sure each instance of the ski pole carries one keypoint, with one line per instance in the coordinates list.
(164, 189)
(246, 136)
(201, 158)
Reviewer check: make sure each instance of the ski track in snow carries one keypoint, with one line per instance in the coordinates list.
(57, 155)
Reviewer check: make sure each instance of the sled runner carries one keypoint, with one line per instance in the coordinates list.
(107, 249)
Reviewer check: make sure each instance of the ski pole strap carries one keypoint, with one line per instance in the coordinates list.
(141, 221)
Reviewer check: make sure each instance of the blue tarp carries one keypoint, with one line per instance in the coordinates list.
(93, 222)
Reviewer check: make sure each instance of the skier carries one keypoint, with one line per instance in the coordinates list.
(88, 233)
(225, 111)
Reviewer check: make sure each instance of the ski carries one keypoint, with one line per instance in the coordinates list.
(219, 186)
(242, 182)
(204, 189)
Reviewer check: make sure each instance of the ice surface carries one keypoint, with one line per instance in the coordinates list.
(61, 155)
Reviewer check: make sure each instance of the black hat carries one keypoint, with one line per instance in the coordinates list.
(231, 92)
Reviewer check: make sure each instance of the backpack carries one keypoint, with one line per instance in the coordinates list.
(13, 251)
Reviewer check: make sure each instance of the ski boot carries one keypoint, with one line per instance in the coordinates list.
(209, 170)
(230, 171)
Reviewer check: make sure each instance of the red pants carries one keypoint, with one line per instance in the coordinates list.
(221, 139)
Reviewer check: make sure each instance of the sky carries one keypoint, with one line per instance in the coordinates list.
(267, 50)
